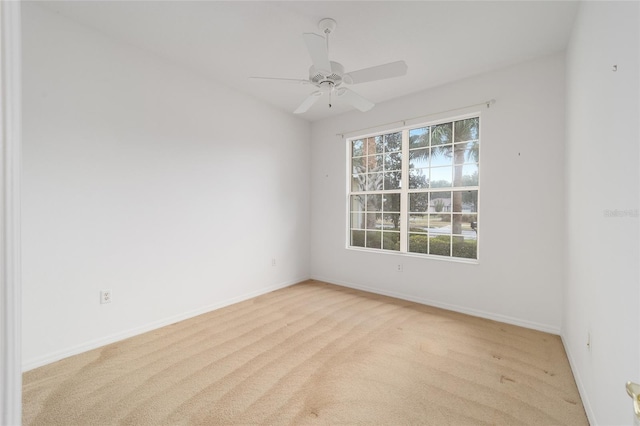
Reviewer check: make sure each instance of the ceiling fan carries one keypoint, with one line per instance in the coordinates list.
(329, 76)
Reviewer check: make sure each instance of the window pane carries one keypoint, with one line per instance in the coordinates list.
(470, 223)
(393, 161)
(391, 202)
(440, 224)
(391, 241)
(358, 220)
(442, 155)
(358, 165)
(374, 181)
(418, 178)
(465, 224)
(419, 202)
(374, 203)
(441, 134)
(467, 152)
(440, 245)
(465, 248)
(369, 146)
(441, 177)
(374, 239)
(419, 137)
(379, 145)
(456, 224)
(357, 238)
(419, 158)
(374, 220)
(468, 202)
(418, 243)
(358, 182)
(392, 180)
(393, 142)
(357, 203)
(418, 222)
(375, 163)
(391, 221)
(470, 175)
(440, 202)
(466, 130)
(465, 175)
(456, 201)
(357, 148)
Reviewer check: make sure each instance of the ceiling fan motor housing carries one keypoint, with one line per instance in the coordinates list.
(335, 76)
(318, 77)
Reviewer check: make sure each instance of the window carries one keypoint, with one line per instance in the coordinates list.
(415, 190)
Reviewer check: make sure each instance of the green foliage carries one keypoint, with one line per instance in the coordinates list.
(418, 243)
(374, 239)
(391, 241)
(441, 246)
(441, 134)
(466, 130)
(419, 202)
(417, 179)
(440, 184)
(393, 142)
(419, 138)
(357, 238)
(465, 248)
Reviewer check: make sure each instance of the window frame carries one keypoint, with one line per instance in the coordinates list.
(405, 190)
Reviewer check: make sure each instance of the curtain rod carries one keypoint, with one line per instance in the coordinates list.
(404, 121)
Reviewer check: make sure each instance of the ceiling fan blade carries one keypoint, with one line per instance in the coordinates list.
(380, 72)
(307, 103)
(317, 47)
(355, 100)
(287, 80)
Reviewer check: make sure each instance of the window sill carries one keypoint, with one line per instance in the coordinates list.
(415, 255)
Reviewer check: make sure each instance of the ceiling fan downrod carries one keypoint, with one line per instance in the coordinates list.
(327, 25)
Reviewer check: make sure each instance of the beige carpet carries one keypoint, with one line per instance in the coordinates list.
(315, 353)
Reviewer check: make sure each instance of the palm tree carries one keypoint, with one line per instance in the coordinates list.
(464, 131)
(440, 138)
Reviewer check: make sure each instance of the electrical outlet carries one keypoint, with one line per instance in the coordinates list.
(105, 296)
(273, 261)
(399, 269)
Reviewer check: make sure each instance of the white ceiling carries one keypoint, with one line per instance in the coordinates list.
(441, 41)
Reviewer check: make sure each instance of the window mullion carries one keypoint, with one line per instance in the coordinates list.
(404, 198)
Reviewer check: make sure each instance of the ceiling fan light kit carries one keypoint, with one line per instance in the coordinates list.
(328, 76)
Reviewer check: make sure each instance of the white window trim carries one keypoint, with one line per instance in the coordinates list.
(10, 135)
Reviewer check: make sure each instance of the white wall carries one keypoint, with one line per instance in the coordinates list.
(519, 275)
(602, 281)
(143, 178)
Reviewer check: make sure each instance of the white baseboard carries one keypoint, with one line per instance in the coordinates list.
(456, 308)
(102, 341)
(581, 389)
(96, 343)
